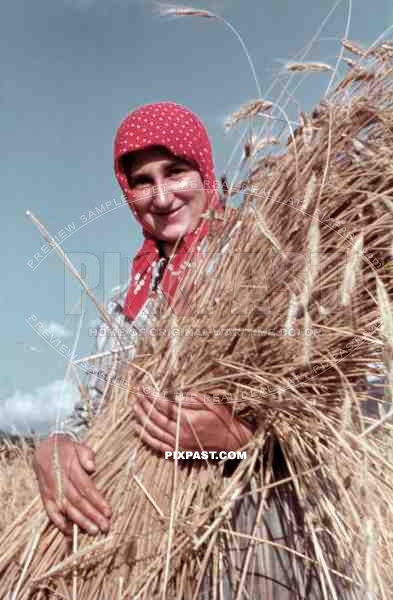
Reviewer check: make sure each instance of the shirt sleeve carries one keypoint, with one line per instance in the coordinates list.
(98, 371)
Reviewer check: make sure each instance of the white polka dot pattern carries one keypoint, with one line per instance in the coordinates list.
(181, 131)
(171, 125)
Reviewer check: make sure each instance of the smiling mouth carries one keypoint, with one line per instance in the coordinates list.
(170, 212)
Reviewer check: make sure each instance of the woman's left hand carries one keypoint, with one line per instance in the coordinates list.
(204, 425)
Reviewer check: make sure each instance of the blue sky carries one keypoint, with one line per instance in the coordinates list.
(70, 71)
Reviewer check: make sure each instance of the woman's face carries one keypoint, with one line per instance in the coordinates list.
(167, 193)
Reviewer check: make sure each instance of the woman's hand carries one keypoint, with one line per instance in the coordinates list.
(62, 468)
(204, 425)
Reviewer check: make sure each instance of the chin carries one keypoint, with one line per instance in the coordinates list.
(172, 233)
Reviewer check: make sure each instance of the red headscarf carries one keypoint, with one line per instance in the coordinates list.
(182, 133)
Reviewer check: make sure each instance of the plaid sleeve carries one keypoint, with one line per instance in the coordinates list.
(99, 370)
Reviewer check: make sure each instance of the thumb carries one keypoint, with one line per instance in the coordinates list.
(86, 457)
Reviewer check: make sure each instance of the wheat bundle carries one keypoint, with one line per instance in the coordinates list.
(298, 309)
(17, 487)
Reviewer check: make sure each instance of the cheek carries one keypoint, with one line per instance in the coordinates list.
(193, 193)
(189, 184)
(138, 202)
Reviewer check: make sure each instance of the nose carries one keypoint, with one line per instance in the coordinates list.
(162, 195)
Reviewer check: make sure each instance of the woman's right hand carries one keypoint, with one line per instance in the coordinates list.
(68, 493)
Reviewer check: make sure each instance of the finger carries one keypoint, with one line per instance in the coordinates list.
(149, 391)
(56, 517)
(86, 508)
(86, 457)
(159, 428)
(188, 438)
(87, 488)
(151, 441)
(156, 405)
(77, 517)
(145, 412)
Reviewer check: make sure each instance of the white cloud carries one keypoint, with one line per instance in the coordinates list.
(23, 412)
(56, 330)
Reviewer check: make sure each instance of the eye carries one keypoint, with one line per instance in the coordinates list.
(178, 170)
(140, 181)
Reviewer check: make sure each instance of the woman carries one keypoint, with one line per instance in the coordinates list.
(164, 165)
